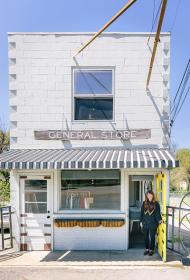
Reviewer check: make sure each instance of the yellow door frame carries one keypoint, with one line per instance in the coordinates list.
(161, 196)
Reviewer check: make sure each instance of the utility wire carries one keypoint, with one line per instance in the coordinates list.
(186, 78)
(175, 15)
(179, 101)
(187, 92)
(180, 84)
(154, 19)
(153, 15)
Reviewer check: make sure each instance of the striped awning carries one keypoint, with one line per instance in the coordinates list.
(86, 158)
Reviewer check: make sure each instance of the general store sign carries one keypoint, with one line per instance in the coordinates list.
(92, 134)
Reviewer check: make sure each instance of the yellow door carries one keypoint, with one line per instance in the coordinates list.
(161, 197)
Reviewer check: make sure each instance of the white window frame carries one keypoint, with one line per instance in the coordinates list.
(35, 177)
(92, 211)
(87, 96)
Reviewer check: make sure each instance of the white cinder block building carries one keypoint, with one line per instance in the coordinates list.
(87, 137)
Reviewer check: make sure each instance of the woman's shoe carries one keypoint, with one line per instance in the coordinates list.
(151, 253)
(146, 252)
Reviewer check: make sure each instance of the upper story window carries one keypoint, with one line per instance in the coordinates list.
(93, 94)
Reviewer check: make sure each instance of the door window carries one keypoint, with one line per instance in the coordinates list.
(35, 193)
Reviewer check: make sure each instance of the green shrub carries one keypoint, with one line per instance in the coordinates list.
(4, 193)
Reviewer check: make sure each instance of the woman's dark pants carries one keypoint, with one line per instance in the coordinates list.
(149, 237)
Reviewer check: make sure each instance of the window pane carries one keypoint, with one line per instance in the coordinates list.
(93, 109)
(35, 184)
(90, 194)
(92, 174)
(93, 82)
(137, 190)
(35, 208)
(35, 196)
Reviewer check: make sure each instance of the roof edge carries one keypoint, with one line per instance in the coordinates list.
(86, 33)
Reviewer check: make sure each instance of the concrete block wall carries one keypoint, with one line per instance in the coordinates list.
(40, 85)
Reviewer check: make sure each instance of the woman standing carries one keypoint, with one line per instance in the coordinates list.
(150, 219)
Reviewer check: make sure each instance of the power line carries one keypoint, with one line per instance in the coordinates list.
(154, 3)
(154, 19)
(175, 15)
(186, 78)
(182, 97)
(173, 120)
(176, 95)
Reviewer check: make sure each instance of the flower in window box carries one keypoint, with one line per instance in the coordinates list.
(96, 223)
(106, 223)
(74, 223)
(80, 223)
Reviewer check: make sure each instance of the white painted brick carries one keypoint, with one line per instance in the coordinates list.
(39, 78)
(44, 84)
(38, 70)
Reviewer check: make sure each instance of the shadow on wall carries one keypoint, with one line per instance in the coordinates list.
(165, 128)
(127, 143)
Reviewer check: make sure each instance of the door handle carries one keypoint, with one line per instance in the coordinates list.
(48, 217)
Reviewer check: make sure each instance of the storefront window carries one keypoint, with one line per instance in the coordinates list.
(90, 190)
(93, 95)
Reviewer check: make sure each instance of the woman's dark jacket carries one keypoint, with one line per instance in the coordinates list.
(150, 214)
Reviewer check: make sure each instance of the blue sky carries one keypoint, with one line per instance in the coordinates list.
(90, 15)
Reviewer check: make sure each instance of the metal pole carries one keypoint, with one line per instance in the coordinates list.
(10, 225)
(125, 7)
(173, 228)
(157, 38)
(167, 226)
(2, 229)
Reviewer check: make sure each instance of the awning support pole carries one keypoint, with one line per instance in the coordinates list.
(157, 38)
(125, 7)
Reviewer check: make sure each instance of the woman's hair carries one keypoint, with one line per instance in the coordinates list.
(153, 196)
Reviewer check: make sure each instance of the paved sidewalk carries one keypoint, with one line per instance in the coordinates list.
(132, 257)
(111, 273)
